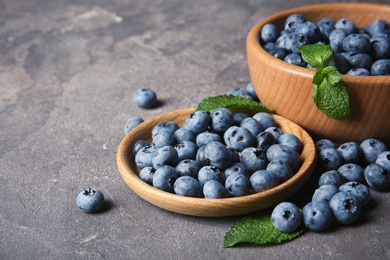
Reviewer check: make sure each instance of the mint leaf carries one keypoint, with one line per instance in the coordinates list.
(257, 230)
(332, 99)
(317, 55)
(233, 103)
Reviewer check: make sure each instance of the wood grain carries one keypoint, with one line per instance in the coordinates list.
(287, 89)
(211, 207)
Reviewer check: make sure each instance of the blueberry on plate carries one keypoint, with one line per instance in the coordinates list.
(253, 159)
(165, 177)
(145, 98)
(346, 207)
(317, 216)
(188, 167)
(90, 200)
(263, 180)
(286, 217)
(238, 185)
(214, 190)
(188, 186)
(207, 173)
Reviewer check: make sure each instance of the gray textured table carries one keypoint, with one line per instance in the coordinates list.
(68, 70)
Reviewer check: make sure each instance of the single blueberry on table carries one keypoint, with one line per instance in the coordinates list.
(360, 191)
(214, 190)
(352, 172)
(332, 177)
(317, 216)
(132, 123)
(207, 173)
(286, 217)
(237, 185)
(90, 200)
(324, 193)
(377, 176)
(263, 180)
(188, 186)
(165, 177)
(145, 98)
(346, 207)
(371, 148)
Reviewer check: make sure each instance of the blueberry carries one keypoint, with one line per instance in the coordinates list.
(132, 123)
(186, 150)
(188, 186)
(197, 122)
(360, 191)
(350, 152)
(147, 174)
(238, 117)
(371, 148)
(329, 159)
(239, 138)
(380, 48)
(295, 40)
(218, 155)
(206, 137)
(234, 155)
(341, 63)
(377, 176)
(221, 119)
(336, 39)
(326, 25)
(166, 155)
(323, 144)
(361, 60)
(290, 140)
(166, 126)
(352, 172)
(253, 159)
(284, 153)
(200, 157)
(144, 156)
(183, 134)
(264, 140)
(331, 177)
(356, 43)
(281, 43)
(269, 33)
(310, 30)
(138, 145)
(384, 159)
(250, 89)
(165, 177)
(324, 193)
(207, 173)
(145, 98)
(236, 168)
(263, 180)
(295, 59)
(317, 216)
(279, 53)
(381, 68)
(380, 27)
(281, 169)
(163, 138)
(358, 72)
(293, 21)
(188, 167)
(345, 207)
(239, 92)
(266, 120)
(346, 25)
(214, 190)
(286, 217)
(269, 47)
(275, 131)
(252, 125)
(237, 185)
(90, 200)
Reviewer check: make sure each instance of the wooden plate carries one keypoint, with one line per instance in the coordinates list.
(211, 207)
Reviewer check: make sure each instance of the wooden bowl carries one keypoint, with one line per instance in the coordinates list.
(211, 207)
(287, 89)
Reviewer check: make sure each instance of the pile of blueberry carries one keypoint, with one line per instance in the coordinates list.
(218, 154)
(349, 172)
(357, 51)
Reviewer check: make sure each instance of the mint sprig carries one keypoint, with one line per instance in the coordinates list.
(257, 230)
(330, 93)
(232, 102)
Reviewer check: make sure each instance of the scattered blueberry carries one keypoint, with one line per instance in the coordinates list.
(132, 123)
(377, 176)
(346, 207)
(90, 200)
(286, 217)
(317, 216)
(145, 98)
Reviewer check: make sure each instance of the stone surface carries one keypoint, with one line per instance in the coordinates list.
(68, 70)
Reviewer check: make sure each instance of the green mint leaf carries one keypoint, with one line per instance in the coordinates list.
(332, 99)
(257, 230)
(328, 74)
(317, 55)
(233, 103)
